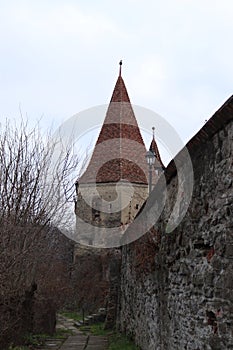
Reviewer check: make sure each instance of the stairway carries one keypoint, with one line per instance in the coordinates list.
(77, 340)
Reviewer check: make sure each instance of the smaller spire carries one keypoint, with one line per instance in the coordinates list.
(155, 150)
(120, 63)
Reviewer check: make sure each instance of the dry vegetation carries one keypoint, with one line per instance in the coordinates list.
(36, 185)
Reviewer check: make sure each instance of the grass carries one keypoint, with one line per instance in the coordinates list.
(35, 339)
(98, 329)
(74, 315)
(117, 341)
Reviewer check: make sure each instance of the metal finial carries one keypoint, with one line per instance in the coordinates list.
(120, 63)
(153, 130)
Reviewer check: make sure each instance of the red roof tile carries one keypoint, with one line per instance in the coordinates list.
(155, 150)
(120, 93)
(119, 153)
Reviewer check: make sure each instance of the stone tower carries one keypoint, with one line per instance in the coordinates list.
(114, 186)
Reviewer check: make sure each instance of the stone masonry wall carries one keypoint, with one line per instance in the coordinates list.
(177, 287)
(102, 207)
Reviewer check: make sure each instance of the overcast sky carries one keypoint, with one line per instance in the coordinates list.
(61, 57)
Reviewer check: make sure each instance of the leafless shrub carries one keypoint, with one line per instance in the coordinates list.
(37, 175)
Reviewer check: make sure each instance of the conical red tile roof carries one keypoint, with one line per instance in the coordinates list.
(155, 150)
(119, 153)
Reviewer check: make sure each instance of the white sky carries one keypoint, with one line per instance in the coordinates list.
(61, 57)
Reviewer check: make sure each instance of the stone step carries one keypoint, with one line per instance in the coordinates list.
(89, 320)
(86, 329)
(53, 344)
(78, 340)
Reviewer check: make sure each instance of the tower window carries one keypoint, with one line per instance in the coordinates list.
(96, 206)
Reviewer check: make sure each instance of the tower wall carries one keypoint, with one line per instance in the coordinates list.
(104, 211)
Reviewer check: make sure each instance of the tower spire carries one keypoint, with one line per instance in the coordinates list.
(119, 129)
(154, 149)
